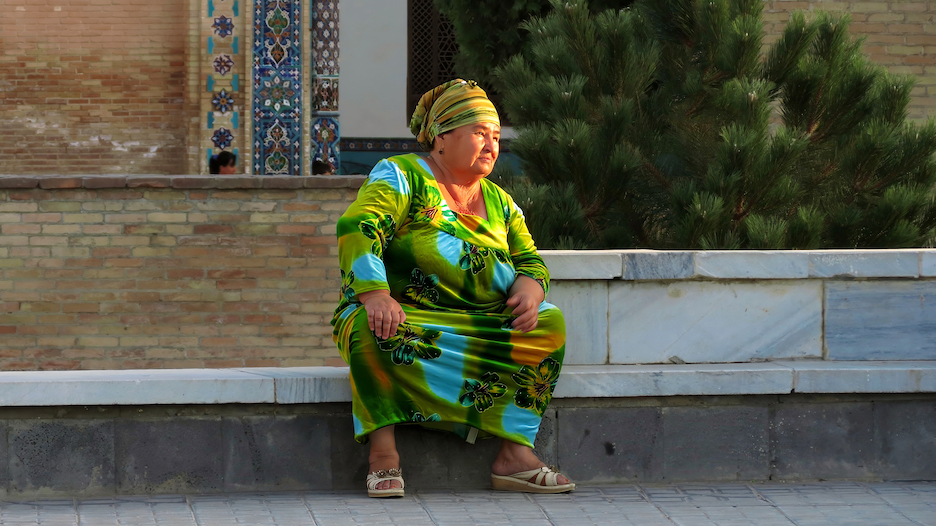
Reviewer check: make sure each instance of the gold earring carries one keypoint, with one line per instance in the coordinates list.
(441, 151)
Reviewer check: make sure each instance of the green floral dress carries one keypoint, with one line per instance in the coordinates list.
(455, 363)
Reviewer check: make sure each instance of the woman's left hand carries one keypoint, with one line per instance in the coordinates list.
(525, 298)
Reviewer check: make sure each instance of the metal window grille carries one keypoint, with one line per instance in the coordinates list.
(432, 50)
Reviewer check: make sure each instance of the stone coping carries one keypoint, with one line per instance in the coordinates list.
(301, 385)
(664, 265)
(188, 182)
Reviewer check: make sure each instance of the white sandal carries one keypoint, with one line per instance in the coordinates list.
(545, 481)
(379, 476)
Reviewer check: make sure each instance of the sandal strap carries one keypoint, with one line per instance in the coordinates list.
(540, 474)
(376, 477)
(550, 477)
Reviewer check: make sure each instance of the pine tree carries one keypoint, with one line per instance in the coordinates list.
(479, 48)
(487, 32)
(669, 125)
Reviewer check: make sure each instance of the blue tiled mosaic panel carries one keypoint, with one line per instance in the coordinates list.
(277, 76)
(325, 138)
(325, 45)
(324, 64)
(325, 96)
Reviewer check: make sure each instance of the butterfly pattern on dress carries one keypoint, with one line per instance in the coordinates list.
(536, 385)
(422, 287)
(347, 279)
(472, 257)
(411, 342)
(429, 207)
(481, 393)
(426, 206)
(380, 230)
(421, 418)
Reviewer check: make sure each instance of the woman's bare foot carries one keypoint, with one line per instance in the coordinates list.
(384, 455)
(514, 458)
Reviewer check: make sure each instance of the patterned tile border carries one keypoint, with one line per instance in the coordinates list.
(222, 97)
(390, 144)
(325, 46)
(373, 144)
(326, 138)
(325, 67)
(277, 90)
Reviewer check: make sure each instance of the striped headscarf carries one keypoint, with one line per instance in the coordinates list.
(449, 106)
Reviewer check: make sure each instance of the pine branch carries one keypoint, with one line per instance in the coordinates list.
(660, 178)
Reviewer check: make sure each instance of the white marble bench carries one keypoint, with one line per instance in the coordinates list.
(647, 306)
(641, 323)
(302, 385)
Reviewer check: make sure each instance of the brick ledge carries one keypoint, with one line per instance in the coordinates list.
(65, 182)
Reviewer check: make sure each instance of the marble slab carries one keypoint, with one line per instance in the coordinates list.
(881, 320)
(928, 263)
(658, 265)
(645, 265)
(134, 387)
(583, 264)
(608, 381)
(752, 264)
(299, 385)
(307, 385)
(864, 263)
(709, 322)
(584, 304)
(863, 377)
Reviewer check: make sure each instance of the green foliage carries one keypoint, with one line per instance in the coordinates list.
(480, 47)
(488, 31)
(669, 124)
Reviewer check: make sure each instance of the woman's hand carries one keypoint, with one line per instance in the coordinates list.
(525, 298)
(384, 314)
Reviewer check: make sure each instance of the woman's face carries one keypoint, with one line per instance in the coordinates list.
(228, 170)
(471, 149)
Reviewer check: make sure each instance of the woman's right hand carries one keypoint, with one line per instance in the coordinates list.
(384, 314)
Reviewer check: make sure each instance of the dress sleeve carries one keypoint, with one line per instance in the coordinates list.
(365, 229)
(526, 259)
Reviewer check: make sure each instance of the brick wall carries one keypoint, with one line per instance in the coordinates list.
(93, 86)
(169, 272)
(900, 35)
(113, 86)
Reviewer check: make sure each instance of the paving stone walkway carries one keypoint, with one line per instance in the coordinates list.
(838, 503)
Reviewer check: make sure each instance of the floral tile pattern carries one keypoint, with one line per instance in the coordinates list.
(222, 138)
(223, 26)
(222, 102)
(326, 94)
(277, 94)
(223, 64)
(277, 76)
(325, 45)
(325, 65)
(325, 140)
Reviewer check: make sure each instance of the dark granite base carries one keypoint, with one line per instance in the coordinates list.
(238, 448)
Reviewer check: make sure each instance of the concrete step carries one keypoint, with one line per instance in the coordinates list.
(98, 433)
(305, 385)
